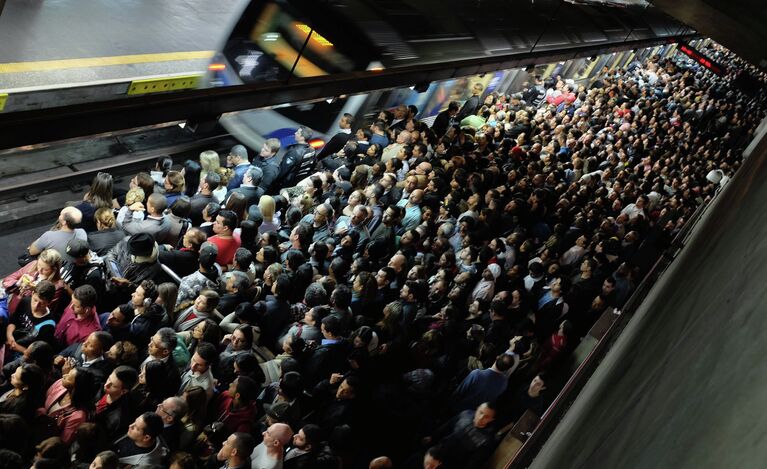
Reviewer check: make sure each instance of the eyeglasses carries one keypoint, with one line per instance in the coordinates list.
(161, 409)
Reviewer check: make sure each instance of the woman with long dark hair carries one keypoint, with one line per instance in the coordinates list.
(238, 203)
(98, 196)
(205, 331)
(191, 172)
(152, 387)
(69, 401)
(249, 236)
(26, 394)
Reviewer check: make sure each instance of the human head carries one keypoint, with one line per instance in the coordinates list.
(209, 161)
(484, 415)
(42, 296)
(70, 217)
(171, 410)
(242, 337)
(308, 437)
(84, 301)
(434, 458)
(204, 357)
(49, 265)
(105, 460)
(174, 182)
(303, 134)
(270, 147)
(253, 176)
(278, 435)
(145, 429)
(226, 223)
(123, 352)
(97, 344)
(237, 155)
(381, 462)
(236, 449)
(120, 382)
(104, 218)
(162, 343)
(207, 301)
(28, 377)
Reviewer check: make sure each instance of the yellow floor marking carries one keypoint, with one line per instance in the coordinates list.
(45, 65)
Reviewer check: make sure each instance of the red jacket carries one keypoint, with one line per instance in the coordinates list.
(240, 420)
(71, 330)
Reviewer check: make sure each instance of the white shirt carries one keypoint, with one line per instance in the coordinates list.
(260, 459)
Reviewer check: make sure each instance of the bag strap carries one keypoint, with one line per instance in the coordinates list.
(47, 322)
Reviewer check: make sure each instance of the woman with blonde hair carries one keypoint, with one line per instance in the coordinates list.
(305, 203)
(21, 283)
(267, 207)
(210, 162)
(107, 235)
(226, 175)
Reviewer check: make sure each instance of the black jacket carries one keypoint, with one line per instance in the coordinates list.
(304, 461)
(252, 193)
(290, 163)
(271, 170)
(276, 319)
(198, 203)
(182, 262)
(101, 242)
(327, 359)
(144, 326)
(114, 420)
(334, 145)
(441, 123)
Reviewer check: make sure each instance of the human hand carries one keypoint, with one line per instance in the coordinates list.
(136, 207)
(336, 378)
(69, 363)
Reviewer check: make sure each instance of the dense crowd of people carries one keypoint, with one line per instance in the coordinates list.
(396, 308)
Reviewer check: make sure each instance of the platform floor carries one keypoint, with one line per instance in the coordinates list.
(684, 385)
(40, 38)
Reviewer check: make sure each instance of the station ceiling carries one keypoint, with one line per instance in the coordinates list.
(741, 25)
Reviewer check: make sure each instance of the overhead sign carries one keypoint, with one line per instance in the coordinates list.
(698, 57)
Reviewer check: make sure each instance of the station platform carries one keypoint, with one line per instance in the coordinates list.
(64, 43)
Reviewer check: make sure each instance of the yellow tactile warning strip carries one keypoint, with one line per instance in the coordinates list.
(45, 65)
(159, 85)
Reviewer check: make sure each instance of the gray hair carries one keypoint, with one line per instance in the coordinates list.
(178, 407)
(241, 280)
(167, 338)
(256, 174)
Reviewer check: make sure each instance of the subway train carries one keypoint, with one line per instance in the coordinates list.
(286, 41)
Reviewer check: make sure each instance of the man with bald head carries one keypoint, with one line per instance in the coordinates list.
(423, 168)
(391, 151)
(65, 230)
(270, 453)
(381, 462)
(412, 207)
